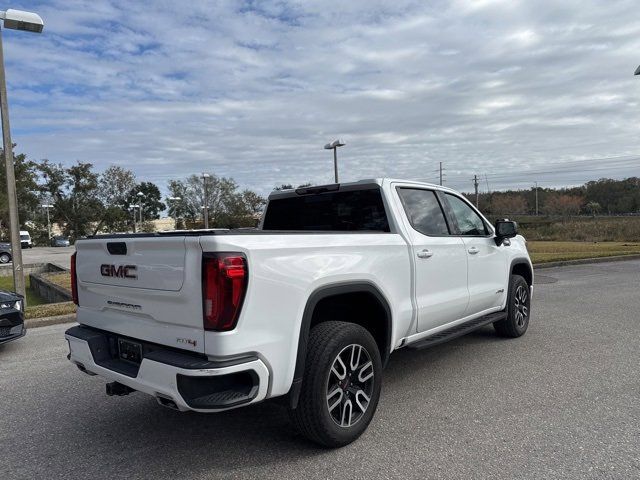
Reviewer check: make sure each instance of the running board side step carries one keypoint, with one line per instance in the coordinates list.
(457, 331)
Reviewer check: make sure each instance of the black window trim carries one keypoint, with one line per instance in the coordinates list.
(438, 199)
(449, 213)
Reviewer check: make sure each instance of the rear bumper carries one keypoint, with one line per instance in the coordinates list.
(181, 379)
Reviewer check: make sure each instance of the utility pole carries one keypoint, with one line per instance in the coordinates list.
(440, 173)
(475, 185)
(536, 199)
(205, 203)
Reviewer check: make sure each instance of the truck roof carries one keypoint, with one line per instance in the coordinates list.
(364, 183)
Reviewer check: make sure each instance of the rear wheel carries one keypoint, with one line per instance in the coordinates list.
(341, 384)
(5, 258)
(518, 309)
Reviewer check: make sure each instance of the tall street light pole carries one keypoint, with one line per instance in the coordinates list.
(47, 207)
(205, 201)
(175, 201)
(133, 207)
(334, 146)
(30, 22)
(140, 197)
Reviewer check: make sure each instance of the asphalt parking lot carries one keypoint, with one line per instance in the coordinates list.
(58, 255)
(561, 402)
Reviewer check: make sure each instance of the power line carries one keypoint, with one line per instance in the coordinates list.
(569, 167)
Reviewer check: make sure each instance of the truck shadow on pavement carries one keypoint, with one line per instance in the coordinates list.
(141, 434)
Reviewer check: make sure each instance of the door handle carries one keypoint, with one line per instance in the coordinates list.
(425, 254)
(473, 250)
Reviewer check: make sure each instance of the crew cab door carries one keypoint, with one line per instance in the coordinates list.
(487, 263)
(439, 258)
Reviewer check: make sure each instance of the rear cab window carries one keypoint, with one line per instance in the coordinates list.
(316, 209)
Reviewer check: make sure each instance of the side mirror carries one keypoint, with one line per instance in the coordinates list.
(505, 228)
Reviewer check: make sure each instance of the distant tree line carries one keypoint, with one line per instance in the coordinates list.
(86, 202)
(228, 207)
(598, 197)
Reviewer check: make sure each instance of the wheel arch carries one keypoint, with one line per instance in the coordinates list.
(522, 267)
(340, 292)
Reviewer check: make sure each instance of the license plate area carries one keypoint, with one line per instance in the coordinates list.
(130, 351)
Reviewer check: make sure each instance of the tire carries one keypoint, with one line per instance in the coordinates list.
(323, 414)
(5, 258)
(518, 309)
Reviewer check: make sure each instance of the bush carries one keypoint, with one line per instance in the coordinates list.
(583, 229)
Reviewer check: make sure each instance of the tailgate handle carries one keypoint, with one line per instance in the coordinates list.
(117, 248)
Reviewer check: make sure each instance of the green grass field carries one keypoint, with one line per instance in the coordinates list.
(61, 279)
(6, 283)
(50, 309)
(542, 251)
(36, 308)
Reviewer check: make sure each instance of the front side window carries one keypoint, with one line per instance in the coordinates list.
(423, 211)
(469, 222)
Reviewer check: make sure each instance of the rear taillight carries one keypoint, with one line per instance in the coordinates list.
(224, 283)
(74, 280)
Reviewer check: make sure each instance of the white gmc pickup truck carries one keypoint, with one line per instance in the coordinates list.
(308, 307)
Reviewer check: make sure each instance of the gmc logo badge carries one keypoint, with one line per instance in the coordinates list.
(121, 271)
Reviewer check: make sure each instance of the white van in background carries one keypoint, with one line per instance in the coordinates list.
(25, 239)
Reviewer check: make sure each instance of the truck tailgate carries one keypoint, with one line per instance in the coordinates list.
(147, 288)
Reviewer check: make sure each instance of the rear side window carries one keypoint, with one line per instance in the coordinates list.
(469, 222)
(355, 210)
(424, 211)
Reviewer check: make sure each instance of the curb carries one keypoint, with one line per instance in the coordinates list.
(46, 321)
(585, 261)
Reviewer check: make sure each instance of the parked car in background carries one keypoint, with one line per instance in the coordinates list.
(5, 252)
(60, 241)
(25, 239)
(11, 316)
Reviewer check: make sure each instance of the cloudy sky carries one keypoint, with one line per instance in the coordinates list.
(513, 91)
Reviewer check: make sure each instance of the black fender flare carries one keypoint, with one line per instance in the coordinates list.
(305, 326)
(521, 261)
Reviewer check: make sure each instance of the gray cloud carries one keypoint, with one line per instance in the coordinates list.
(520, 91)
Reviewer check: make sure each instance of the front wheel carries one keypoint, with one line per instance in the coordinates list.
(341, 384)
(5, 258)
(518, 309)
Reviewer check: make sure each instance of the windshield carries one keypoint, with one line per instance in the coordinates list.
(24, 237)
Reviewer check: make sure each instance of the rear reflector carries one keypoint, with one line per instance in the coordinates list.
(74, 280)
(224, 283)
